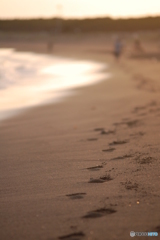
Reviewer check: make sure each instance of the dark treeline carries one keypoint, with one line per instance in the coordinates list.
(84, 25)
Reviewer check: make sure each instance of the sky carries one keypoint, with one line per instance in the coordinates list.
(10, 9)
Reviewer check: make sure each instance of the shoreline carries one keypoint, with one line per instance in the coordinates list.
(86, 168)
(49, 76)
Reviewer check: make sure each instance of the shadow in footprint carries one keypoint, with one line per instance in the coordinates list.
(95, 168)
(122, 157)
(102, 179)
(133, 123)
(130, 186)
(99, 213)
(118, 142)
(144, 159)
(109, 150)
(103, 132)
(152, 103)
(92, 139)
(137, 134)
(137, 109)
(99, 129)
(76, 195)
(73, 236)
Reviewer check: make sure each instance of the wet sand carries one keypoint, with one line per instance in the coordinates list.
(87, 167)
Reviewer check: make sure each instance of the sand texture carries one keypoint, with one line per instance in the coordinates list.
(87, 167)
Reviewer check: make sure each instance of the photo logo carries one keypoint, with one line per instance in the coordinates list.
(143, 234)
(132, 233)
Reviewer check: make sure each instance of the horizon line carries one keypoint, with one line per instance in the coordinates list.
(84, 17)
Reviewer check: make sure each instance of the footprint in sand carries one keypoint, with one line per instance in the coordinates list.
(146, 160)
(102, 179)
(92, 139)
(122, 157)
(109, 150)
(130, 186)
(152, 103)
(95, 168)
(139, 109)
(118, 142)
(143, 159)
(137, 134)
(145, 83)
(103, 132)
(99, 129)
(76, 195)
(131, 123)
(99, 213)
(73, 236)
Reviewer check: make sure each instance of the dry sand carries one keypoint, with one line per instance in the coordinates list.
(87, 167)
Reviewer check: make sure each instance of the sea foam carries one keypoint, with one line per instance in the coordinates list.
(30, 79)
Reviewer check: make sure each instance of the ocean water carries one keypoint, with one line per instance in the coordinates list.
(30, 79)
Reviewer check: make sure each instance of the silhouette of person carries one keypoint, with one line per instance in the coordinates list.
(118, 48)
(137, 44)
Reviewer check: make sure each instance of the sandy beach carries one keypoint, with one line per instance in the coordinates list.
(87, 167)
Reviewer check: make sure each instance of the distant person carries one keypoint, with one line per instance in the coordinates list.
(118, 48)
(137, 44)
